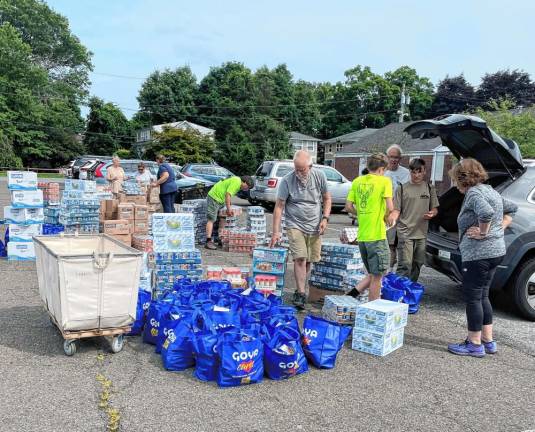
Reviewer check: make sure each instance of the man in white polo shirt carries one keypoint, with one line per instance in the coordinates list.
(399, 175)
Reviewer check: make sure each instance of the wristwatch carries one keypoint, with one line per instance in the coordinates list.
(326, 218)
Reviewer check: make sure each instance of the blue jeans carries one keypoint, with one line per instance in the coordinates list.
(168, 202)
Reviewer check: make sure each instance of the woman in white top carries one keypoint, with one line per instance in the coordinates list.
(116, 176)
(143, 176)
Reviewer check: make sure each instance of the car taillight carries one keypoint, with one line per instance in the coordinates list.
(98, 172)
(272, 183)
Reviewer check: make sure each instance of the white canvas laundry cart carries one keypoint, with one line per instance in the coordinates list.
(89, 285)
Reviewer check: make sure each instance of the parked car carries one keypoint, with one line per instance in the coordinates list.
(81, 160)
(468, 136)
(87, 170)
(269, 174)
(129, 166)
(211, 172)
(191, 187)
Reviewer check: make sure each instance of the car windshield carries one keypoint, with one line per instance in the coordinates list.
(282, 170)
(332, 175)
(222, 172)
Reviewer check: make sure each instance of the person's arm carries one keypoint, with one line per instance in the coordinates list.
(277, 216)
(391, 214)
(109, 176)
(484, 213)
(433, 204)
(327, 204)
(228, 203)
(162, 179)
(350, 208)
(397, 205)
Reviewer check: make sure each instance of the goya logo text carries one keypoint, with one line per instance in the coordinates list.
(309, 335)
(246, 359)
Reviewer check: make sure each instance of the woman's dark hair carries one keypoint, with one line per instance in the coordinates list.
(467, 173)
(416, 163)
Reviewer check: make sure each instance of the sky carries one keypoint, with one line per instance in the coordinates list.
(318, 40)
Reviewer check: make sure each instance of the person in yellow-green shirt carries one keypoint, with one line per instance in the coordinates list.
(369, 199)
(219, 196)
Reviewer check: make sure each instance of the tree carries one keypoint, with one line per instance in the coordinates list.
(168, 96)
(107, 128)
(518, 126)
(43, 79)
(8, 158)
(182, 146)
(515, 85)
(237, 152)
(453, 95)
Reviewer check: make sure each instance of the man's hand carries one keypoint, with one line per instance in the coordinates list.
(430, 214)
(275, 238)
(391, 219)
(323, 226)
(230, 212)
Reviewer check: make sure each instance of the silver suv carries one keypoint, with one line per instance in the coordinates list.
(269, 174)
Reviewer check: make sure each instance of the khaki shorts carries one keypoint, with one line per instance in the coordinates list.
(304, 245)
(212, 208)
(375, 255)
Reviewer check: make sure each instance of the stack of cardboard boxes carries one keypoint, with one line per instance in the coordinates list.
(121, 220)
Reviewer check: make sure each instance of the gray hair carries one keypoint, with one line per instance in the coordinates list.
(115, 158)
(394, 147)
(300, 153)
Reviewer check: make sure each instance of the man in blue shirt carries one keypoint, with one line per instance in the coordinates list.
(168, 186)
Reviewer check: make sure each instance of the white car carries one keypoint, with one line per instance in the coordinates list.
(269, 174)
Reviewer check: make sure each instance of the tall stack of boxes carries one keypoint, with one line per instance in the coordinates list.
(271, 262)
(25, 215)
(52, 207)
(80, 207)
(379, 327)
(339, 269)
(172, 266)
(197, 208)
(256, 223)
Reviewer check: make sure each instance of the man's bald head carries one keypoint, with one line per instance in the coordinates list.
(302, 159)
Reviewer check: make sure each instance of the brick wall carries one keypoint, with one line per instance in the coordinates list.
(348, 166)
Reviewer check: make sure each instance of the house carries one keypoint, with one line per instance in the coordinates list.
(335, 145)
(144, 136)
(299, 141)
(353, 157)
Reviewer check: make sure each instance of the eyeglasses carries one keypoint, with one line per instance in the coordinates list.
(141, 169)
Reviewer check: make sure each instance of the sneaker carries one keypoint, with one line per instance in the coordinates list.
(211, 245)
(467, 348)
(299, 300)
(490, 347)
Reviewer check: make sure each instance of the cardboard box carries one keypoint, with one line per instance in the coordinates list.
(172, 223)
(136, 199)
(110, 216)
(111, 205)
(153, 195)
(116, 227)
(125, 211)
(24, 215)
(376, 343)
(21, 180)
(141, 226)
(23, 233)
(141, 212)
(122, 198)
(26, 198)
(124, 238)
(155, 208)
(381, 316)
(20, 251)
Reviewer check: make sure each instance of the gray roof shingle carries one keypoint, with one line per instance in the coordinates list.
(350, 137)
(300, 136)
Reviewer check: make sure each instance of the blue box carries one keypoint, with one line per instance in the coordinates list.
(277, 255)
(376, 343)
(382, 316)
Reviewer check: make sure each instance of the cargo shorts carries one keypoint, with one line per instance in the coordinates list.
(375, 256)
(212, 208)
(304, 245)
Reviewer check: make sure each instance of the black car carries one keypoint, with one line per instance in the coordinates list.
(468, 136)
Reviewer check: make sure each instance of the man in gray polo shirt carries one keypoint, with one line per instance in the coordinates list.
(302, 193)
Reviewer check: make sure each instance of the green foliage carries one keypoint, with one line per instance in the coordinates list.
(123, 153)
(8, 159)
(519, 127)
(515, 86)
(453, 95)
(237, 152)
(107, 129)
(43, 79)
(168, 96)
(181, 146)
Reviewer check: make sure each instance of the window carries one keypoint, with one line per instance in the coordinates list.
(328, 162)
(332, 175)
(282, 170)
(298, 146)
(264, 169)
(339, 147)
(311, 146)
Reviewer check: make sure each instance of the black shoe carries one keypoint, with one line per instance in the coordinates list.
(210, 245)
(299, 300)
(353, 293)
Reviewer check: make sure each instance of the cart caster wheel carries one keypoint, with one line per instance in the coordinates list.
(117, 343)
(69, 347)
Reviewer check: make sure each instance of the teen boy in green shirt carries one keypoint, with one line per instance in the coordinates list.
(219, 196)
(369, 198)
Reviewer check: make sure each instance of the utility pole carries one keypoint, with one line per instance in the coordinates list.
(405, 101)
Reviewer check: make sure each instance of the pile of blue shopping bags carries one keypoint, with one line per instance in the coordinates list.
(401, 289)
(233, 336)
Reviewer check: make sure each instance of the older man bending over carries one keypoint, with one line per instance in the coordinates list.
(302, 193)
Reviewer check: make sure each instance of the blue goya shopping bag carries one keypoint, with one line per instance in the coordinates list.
(143, 303)
(169, 321)
(283, 354)
(156, 311)
(241, 357)
(177, 350)
(322, 339)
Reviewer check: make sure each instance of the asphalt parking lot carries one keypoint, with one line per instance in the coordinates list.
(420, 387)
